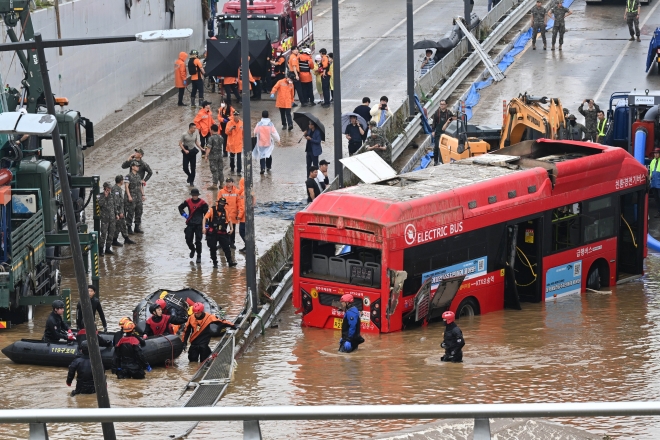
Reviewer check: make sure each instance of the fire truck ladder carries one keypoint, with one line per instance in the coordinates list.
(495, 71)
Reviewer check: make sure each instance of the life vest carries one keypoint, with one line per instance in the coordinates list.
(193, 69)
(132, 340)
(158, 328)
(198, 326)
(192, 207)
(303, 63)
(218, 222)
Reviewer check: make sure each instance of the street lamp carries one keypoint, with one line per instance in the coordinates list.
(39, 45)
(336, 71)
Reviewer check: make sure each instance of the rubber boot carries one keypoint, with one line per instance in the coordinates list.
(200, 102)
(553, 47)
(116, 242)
(128, 241)
(639, 40)
(192, 253)
(199, 258)
(108, 250)
(232, 263)
(138, 230)
(560, 47)
(101, 253)
(129, 229)
(215, 263)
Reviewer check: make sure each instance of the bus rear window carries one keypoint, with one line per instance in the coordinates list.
(324, 260)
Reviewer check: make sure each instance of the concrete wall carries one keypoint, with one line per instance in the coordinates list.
(100, 79)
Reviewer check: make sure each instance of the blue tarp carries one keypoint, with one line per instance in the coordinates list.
(281, 210)
(653, 46)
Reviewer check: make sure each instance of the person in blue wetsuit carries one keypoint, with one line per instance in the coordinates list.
(350, 327)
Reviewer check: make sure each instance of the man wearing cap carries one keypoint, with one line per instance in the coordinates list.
(230, 193)
(322, 176)
(196, 71)
(214, 157)
(378, 143)
(190, 146)
(576, 131)
(144, 170)
(197, 209)
(654, 177)
(203, 121)
(120, 223)
(217, 228)
(108, 214)
(133, 198)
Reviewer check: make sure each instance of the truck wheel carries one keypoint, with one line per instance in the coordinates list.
(467, 308)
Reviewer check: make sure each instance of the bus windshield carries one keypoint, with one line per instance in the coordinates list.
(262, 29)
(341, 263)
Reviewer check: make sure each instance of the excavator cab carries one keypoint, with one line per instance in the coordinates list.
(531, 117)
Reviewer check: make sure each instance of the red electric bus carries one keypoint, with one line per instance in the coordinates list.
(530, 222)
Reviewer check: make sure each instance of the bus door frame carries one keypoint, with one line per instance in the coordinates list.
(540, 238)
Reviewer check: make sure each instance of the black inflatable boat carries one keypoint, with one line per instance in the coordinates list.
(178, 301)
(157, 350)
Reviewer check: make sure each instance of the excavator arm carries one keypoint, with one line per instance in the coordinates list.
(526, 119)
(16, 15)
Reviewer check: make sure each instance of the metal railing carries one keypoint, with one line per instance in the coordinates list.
(481, 413)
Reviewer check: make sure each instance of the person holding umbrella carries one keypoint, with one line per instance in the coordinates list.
(313, 147)
(285, 94)
(354, 133)
(266, 135)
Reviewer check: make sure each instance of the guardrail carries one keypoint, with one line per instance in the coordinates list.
(481, 413)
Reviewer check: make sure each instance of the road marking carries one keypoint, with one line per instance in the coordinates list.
(321, 14)
(386, 34)
(620, 57)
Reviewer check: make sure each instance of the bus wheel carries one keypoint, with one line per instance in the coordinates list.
(593, 278)
(467, 308)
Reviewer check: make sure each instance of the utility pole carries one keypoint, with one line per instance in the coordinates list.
(411, 58)
(98, 371)
(250, 257)
(336, 70)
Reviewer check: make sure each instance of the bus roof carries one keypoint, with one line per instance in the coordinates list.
(527, 171)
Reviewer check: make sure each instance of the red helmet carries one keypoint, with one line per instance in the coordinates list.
(161, 303)
(346, 297)
(198, 308)
(449, 317)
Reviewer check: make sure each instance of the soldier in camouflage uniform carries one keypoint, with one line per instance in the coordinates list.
(559, 13)
(133, 198)
(632, 18)
(538, 23)
(214, 156)
(378, 143)
(145, 170)
(108, 214)
(120, 224)
(590, 119)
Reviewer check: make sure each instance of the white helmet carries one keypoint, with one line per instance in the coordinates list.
(307, 50)
(317, 57)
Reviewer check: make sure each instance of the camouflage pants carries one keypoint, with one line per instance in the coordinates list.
(217, 169)
(107, 232)
(592, 135)
(120, 228)
(633, 20)
(558, 29)
(133, 211)
(538, 27)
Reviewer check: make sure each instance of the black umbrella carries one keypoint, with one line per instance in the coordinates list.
(260, 53)
(426, 44)
(346, 119)
(302, 119)
(223, 57)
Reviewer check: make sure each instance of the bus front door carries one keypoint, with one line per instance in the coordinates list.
(525, 253)
(630, 241)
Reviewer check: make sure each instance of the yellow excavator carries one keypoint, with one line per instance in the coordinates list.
(525, 118)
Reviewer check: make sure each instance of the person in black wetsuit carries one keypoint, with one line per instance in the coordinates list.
(129, 361)
(350, 326)
(453, 342)
(56, 328)
(96, 308)
(81, 366)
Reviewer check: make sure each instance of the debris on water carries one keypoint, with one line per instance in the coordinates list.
(422, 339)
(281, 210)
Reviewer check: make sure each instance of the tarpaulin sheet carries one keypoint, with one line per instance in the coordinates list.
(653, 46)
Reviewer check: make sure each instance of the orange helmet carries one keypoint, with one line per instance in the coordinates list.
(448, 317)
(128, 326)
(198, 307)
(123, 321)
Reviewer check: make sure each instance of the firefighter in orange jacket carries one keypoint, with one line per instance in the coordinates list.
(181, 76)
(285, 93)
(306, 64)
(203, 121)
(197, 329)
(225, 111)
(196, 70)
(230, 193)
(230, 83)
(234, 132)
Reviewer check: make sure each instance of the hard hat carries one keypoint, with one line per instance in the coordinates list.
(194, 192)
(198, 307)
(317, 57)
(128, 326)
(84, 347)
(222, 201)
(58, 304)
(448, 317)
(307, 50)
(194, 53)
(346, 297)
(161, 303)
(123, 321)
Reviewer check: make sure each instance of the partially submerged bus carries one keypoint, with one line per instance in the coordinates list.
(531, 222)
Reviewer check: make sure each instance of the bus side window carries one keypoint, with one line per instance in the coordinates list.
(566, 227)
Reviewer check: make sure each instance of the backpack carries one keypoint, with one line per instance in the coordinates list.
(193, 69)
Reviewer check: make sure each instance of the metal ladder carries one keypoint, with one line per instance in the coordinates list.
(495, 71)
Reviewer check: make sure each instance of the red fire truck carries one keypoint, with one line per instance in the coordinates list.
(531, 222)
(286, 23)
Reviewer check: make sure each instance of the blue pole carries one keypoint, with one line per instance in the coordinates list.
(640, 149)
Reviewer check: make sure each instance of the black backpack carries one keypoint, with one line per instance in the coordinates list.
(192, 68)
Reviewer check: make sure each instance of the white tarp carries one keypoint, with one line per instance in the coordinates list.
(369, 167)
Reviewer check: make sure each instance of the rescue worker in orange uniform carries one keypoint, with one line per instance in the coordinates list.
(128, 361)
(234, 132)
(225, 112)
(230, 84)
(279, 66)
(325, 77)
(203, 121)
(240, 79)
(230, 193)
(181, 76)
(196, 71)
(240, 217)
(217, 228)
(199, 333)
(306, 63)
(159, 323)
(294, 67)
(285, 93)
